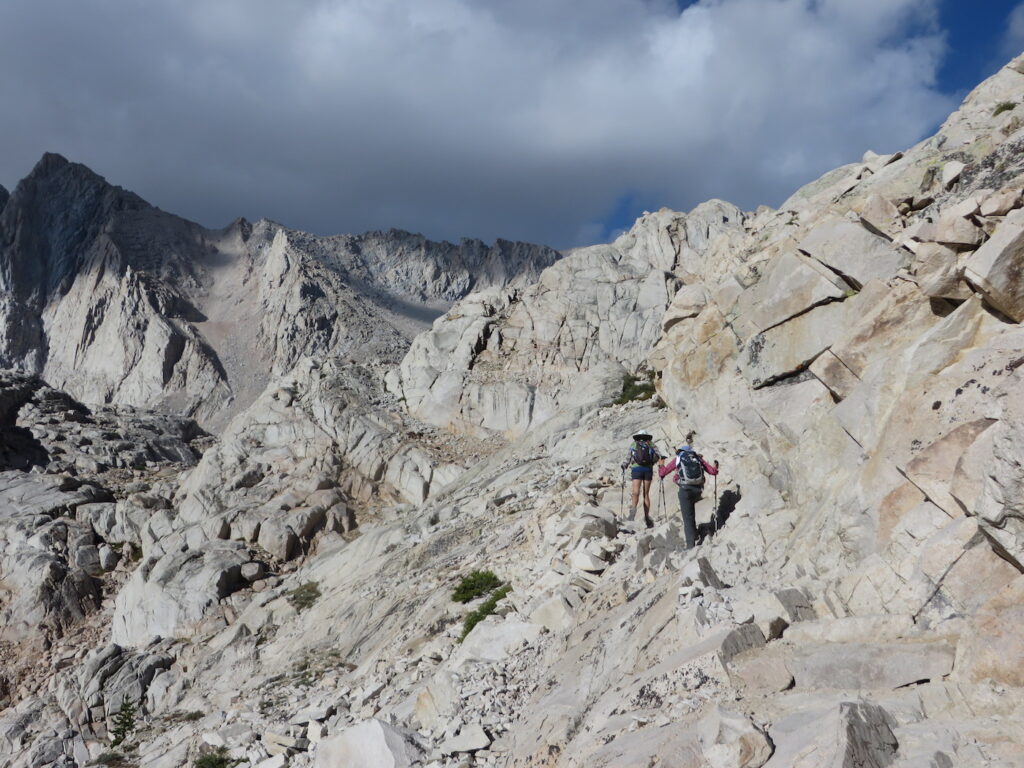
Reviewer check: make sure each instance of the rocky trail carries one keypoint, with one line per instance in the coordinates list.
(234, 536)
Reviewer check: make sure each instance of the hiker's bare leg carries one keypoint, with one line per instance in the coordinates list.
(635, 498)
(647, 496)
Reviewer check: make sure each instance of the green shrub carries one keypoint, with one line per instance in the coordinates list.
(303, 597)
(124, 722)
(1003, 106)
(474, 585)
(636, 388)
(486, 609)
(216, 759)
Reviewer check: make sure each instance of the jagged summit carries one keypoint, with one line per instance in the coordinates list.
(118, 301)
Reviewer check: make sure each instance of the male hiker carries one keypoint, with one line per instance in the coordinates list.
(690, 468)
(640, 461)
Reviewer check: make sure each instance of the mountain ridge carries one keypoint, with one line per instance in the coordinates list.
(69, 237)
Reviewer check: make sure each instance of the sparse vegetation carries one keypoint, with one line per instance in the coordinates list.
(216, 759)
(636, 388)
(114, 760)
(124, 722)
(184, 716)
(1003, 106)
(474, 585)
(486, 609)
(303, 597)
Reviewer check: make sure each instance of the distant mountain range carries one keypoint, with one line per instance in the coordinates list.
(117, 301)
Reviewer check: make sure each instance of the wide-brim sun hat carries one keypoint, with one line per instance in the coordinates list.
(642, 435)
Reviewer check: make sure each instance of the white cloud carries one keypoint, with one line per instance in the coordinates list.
(1013, 37)
(479, 117)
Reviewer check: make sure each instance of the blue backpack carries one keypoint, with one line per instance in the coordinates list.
(689, 469)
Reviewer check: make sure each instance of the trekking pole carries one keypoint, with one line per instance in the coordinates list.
(715, 513)
(661, 499)
(622, 494)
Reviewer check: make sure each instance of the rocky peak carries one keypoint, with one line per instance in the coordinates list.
(4, 197)
(118, 301)
(52, 218)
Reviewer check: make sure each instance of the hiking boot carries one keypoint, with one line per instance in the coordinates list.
(648, 522)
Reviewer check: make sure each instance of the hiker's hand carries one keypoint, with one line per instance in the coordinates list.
(624, 465)
(716, 463)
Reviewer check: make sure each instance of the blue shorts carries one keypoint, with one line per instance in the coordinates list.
(643, 473)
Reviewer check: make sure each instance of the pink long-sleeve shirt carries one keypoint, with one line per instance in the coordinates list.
(670, 466)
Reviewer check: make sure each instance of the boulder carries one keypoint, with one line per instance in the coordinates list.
(996, 269)
(953, 230)
(437, 701)
(555, 614)
(470, 738)
(493, 641)
(870, 666)
(940, 273)
(1001, 203)
(993, 648)
(279, 539)
(833, 373)
(791, 284)
(962, 561)
(880, 215)
(169, 596)
(932, 470)
(849, 734)
(951, 173)
(586, 561)
(688, 302)
(369, 744)
(788, 348)
(854, 252)
(700, 571)
(729, 740)
(760, 671)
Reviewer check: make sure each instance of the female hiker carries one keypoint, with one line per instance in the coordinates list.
(640, 461)
(690, 468)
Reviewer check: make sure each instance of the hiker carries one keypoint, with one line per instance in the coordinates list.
(690, 468)
(640, 461)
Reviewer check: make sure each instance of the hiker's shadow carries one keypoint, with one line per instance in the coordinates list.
(726, 506)
(20, 449)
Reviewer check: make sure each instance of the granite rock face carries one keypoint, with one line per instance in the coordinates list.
(507, 361)
(282, 594)
(118, 302)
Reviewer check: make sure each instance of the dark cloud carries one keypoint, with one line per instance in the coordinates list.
(528, 120)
